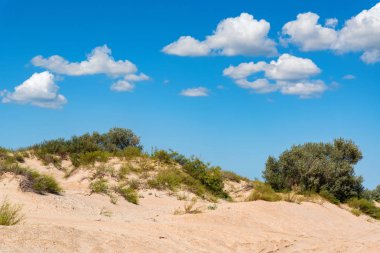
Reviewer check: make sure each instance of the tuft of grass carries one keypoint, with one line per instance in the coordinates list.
(45, 183)
(105, 212)
(356, 212)
(365, 206)
(102, 170)
(189, 208)
(167, 179)
(162, 156)
(329, 197)
(124, 171)
(129, 194)
(33, 180)
(90, 158)
(99, 186)
(232, 176)
(131, 152)
(10, 214)
(263, 191)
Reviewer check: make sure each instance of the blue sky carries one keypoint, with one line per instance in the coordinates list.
(318, 80)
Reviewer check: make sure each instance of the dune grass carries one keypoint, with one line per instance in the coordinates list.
(263, 191)
(129, 194)
(365, 206)
(10, 214)
(32, 179)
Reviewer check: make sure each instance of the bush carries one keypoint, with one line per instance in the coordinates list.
(116, 140)
(210, 177)
(262, 191)
(317, 167)
(129, 194)
(131, 152)
(162, 156)
(167, 179)
(45, 183)
(99, 186)
(33, 180)
(90, 158)
(10, 214)
(365, 206)
(329, 197)
(232, 176)
(372, 194)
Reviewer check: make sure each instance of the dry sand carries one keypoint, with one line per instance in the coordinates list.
(79, 222)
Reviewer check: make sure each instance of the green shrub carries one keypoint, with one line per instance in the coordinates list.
(131, 152)
(162, 156)
(317, 167)
(329, 197)
(116, 140)
(90, 158)
(262, 191)
(10, 214)
(232, 176)
(372, 194)
(167, 179)
(365, 206)
(99, 186)
(129, 194)
(102, 171)
(4, 152)
(210, 177)
(33, 180)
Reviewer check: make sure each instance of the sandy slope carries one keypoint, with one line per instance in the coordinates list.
(79, 222)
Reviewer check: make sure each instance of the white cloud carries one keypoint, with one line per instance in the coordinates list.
(304, 89)
(242, 35)
(122, 85)
(360, 33)
(290, 75)
(195, 92)
(99, 61)
(331, 22)
(187, 46)
(39, 90)
(261, 85)
(244, 69)
(306, 33)
(371, 56)
(349, 77)
(287, 67)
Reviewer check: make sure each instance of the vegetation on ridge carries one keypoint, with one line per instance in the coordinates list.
(303, 173)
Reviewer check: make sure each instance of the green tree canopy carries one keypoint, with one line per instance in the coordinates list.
(317, 167)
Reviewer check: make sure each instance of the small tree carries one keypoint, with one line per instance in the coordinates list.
(317, 167)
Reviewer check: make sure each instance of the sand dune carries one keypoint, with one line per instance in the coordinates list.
(80, 222)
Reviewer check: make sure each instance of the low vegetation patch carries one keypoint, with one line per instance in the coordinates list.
(365, 206)
(189, 208)
(129, 194)
(10, 214)
(329, 197)
(232, 176)
(99, 186)
(32, 179)
(263, 191)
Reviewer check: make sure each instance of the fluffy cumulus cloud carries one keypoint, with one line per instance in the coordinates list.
(288, 75)
(242, 35)
(195, 92)
(39, 90)
(99, 61)
(306, 33)
(360, 33)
